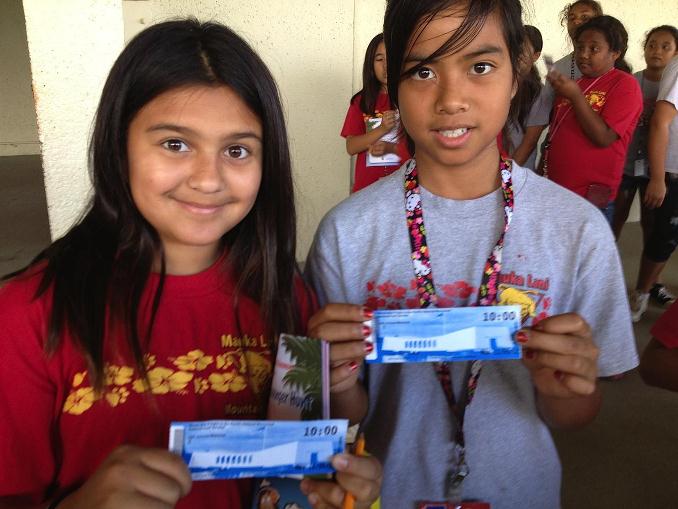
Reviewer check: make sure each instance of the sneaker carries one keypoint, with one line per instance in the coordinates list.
(638, 303)
(661, 295)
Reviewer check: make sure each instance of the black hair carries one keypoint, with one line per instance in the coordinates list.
(99, 269)
(593, 4)
(371, 85)
(534, 36)
(670, 29)
(615, 34)
(406, 19)
(529, 86)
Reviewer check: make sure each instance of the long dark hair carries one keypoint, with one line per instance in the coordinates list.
(530, 83)
(405, 19)
(371, 85)
(615, 34)
(99, 269)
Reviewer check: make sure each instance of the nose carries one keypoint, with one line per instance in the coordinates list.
(451, 97)
(206, 174)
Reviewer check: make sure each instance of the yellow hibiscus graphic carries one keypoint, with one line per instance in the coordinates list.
(117, 396)
(78, 378)
(259, 370)
(79, 401)
(200, 385)
(195, 360)
(164, 380)
(118, 375)
(225, 382)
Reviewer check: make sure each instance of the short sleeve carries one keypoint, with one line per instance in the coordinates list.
(27, 395)
(668, 86)
(540, 111)
(354, 124)
(623, 105)
(665, 330)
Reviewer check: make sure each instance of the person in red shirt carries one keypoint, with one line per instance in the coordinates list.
(372, 126)
(594, 117)
(164, 301)
(659, 363)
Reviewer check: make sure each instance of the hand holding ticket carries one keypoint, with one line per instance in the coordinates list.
(237, 449)
(444, 334)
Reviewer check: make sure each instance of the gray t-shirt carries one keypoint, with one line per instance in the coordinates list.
(538, 112)
(637, 150)
(559, 256)
(668, 91)
(567, 67)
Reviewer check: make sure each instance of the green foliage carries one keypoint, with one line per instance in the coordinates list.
(306, 375)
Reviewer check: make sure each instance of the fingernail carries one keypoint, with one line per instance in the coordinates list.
(340, 463)
(368, 313)
(559, 375)
(521, 336)
(367, 330)
(313, 499)
(528, 353)
(369, 347)
(353, 365)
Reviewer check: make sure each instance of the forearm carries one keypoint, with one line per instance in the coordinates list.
(568, 413)
(522, 153)
(361, 142)
(658, 144)
(592, 124)
(659, 366)
(350, 404)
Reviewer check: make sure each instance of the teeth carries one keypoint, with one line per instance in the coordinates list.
(455, 133)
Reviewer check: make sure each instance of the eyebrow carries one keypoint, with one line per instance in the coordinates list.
(488, 49)
(192, 132)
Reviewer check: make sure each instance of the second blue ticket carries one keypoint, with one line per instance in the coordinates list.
(445, 334)
(237, 449)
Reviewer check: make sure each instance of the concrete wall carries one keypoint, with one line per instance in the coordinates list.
(18, 129)
(72, 45)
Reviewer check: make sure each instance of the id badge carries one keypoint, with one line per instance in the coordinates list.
(454, 505)
(640, 168)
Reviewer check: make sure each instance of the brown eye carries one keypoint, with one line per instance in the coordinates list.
(237, 152)
(175, 145)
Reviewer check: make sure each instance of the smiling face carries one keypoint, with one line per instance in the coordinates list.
(454, 107)
(380, 64)
(578, 15)
(195, 164)
(593, 54)
(660, 49)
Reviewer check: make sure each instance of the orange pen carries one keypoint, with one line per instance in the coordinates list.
(349, 499)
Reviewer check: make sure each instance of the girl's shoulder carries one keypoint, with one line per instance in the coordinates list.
(22, 289)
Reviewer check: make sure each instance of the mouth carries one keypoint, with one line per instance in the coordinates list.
(453, 133)
(199, 208)
(452, 137)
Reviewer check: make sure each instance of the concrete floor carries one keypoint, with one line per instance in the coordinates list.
(625, 459)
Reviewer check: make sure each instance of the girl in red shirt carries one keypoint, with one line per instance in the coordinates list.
(372, 127)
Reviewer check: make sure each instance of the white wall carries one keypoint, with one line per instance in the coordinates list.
(18, 128)
(72, 44)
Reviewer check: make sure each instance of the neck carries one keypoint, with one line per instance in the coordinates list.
(186, 260)
(466, 182)
(653, 73)
(603, 73)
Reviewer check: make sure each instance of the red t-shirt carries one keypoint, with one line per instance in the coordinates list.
(205, 361)
(574, 161)
(355, 124)
(665, 330)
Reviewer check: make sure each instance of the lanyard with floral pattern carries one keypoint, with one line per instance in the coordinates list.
(487, 296)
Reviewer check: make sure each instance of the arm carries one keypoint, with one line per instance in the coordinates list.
(658, 143)
(530, 139)
(659, 366)
(561, 357)
(591, 123)
(362, 142)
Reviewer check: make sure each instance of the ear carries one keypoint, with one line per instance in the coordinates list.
(514, 88)
(615, 55)
(535, 56)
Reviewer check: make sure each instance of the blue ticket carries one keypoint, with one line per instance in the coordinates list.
(237, 449)
(444, 334)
